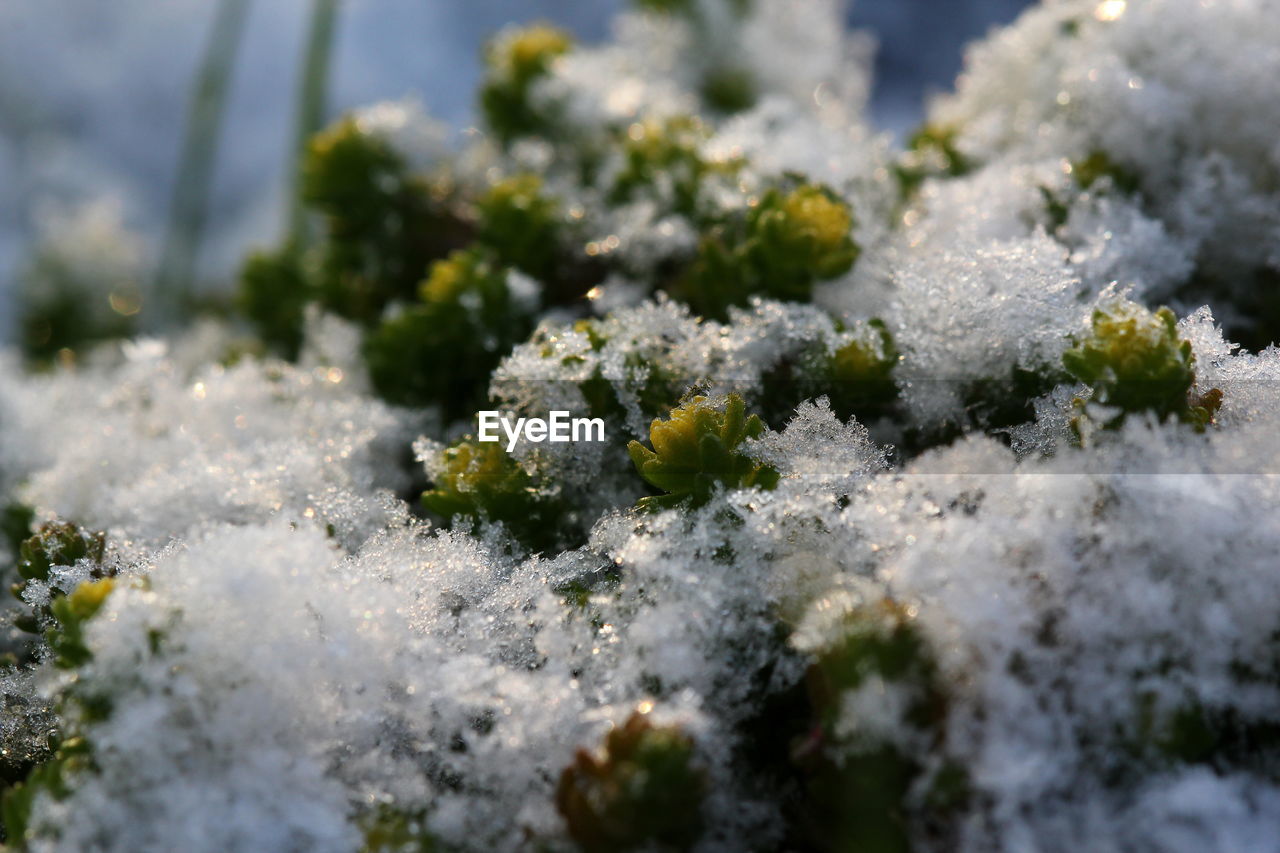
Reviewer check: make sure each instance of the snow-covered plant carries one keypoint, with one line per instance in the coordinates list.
(643, 788)
(915, 523)
(696, 450)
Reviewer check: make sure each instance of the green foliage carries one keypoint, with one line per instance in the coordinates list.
(727, 85)
(861, 371)
(859, 784)
(384, 225)
(696, 450)
(51, 778)
(479, 480)
(653, 396)
(388, 829)
(1099, 165)
(515, 60)
(55, 544)
(273, 293)
(15, 524)
(667, 153)
(642, 789)
(788, 242)
(1135, 361)
(685, 7)
(58, 544)
(442, 348)
(72, 612)
(59, 312)
(1087, 174)
(931, 152)
(728, 89)
(521, 224)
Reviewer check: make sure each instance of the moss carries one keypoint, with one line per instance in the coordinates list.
(696, 451)
(642, 789)
(514, 62)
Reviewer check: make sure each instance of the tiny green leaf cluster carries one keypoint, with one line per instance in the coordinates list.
(56, 543)
(668, 153)
(516, 60)
(480, 481)
(931, 152)
(72, 612)
(788, 242)
(51, 778)
(642, 789)
(696, 451)
(442, 348)
(861, 371)
(1135, 361)
(383, 226)
(519, 220)
(859, 784)
(388, 829)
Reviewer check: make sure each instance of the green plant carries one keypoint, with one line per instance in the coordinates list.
(696, 450)
(273, 293)
(788, 242)
(931, 152)
(388, 829)
(641, 789)
(54, 544)
(1099, 165)
(50, 778)
(859, 782)
(71, 613)
(861, 371)
(521, 224)
(441, 349)
(515, 60)
(384, 225)
(667, 153)
(1135, 361)
(480, 481)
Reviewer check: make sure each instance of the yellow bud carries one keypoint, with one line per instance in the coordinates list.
(87, 598)
(812, 212)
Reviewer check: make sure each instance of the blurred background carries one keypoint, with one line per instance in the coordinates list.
(94, 97)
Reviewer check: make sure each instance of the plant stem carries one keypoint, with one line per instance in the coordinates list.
(189, 207)
(311, 107)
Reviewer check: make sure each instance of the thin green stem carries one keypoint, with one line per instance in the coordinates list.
(189, 207)
(312, 106)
